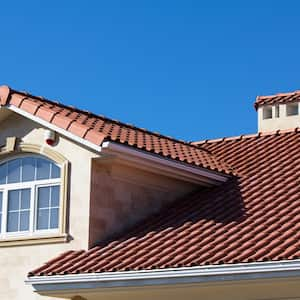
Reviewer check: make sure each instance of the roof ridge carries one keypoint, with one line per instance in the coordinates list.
(279, 98)
(278, 94)
(157, 134)
(246, 136)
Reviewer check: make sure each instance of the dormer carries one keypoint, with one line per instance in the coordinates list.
(280, 111)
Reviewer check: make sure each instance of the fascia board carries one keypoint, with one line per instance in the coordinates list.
(194, 174)
(53, 127)
(171, 276)
(136, 156)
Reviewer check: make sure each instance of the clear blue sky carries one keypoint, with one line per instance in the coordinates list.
(189, 69)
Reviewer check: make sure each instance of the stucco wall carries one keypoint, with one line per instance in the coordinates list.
(16, 261)
(121, 195)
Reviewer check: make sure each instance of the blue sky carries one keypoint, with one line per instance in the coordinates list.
(188, 69)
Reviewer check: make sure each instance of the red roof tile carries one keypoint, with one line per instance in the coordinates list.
(96, 129)
(255, 217)
(277, 99)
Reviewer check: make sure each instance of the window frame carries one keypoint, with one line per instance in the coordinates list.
(33, 186)
(290, 107)
(267, 112)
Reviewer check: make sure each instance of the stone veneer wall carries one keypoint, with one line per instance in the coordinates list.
(122, 195)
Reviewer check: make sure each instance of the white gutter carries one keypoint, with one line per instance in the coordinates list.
(171, 276)
(53, 127)
(164, 165)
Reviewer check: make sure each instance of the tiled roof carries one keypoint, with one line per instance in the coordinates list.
(253, 218)
(277, 99)
(96, 129)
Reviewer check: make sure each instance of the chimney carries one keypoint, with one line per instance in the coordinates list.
(280, 111)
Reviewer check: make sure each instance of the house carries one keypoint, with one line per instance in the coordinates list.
(92, 208)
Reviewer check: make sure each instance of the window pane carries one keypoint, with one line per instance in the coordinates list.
(55, 171)
(18, 210)
(54, 218)
(28, 169)
(43, 169)
(24, 220)
(12, 221)
(3, 169)
(43, 218)
(43, 197)
(54, 196)
(25, 199)
(1, 197)
(14, 171)
(292, 109)
(14, 200)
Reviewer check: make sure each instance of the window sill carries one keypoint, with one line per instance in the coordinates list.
(33, 240)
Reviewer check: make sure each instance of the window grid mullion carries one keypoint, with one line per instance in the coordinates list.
(20, 185)
(49, 203)
(32, 208)
(4, 212)
(19, 210)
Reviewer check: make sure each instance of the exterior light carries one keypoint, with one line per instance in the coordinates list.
(50, 137)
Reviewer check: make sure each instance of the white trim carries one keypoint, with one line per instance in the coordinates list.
(192, 275)
(55, 128)
(164, 165)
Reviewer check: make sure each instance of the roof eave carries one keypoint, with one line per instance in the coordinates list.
(196, 174)
(53, 127)
(161, 277)
(165, 166)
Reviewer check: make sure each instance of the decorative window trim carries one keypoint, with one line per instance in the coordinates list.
(15, 149)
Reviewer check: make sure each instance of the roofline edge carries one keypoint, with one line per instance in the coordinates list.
(218, 176)
(170, 276)
(194, 174)
(53, 127)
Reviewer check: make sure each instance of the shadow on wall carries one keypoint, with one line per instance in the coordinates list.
(220, 205)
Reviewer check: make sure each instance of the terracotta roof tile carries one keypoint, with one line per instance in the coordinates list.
(96, 129)
(255, 217)
(277, 99)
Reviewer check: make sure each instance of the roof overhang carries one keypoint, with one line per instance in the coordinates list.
(65, 284)
(168, 167)
(163, 166)
(53, 127)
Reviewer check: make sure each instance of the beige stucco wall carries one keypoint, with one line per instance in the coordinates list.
(122, 195)
(283, 122)
(16, 261)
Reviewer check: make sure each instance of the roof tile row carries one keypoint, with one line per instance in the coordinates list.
(281, 98)
(96, 129)
(255, 217)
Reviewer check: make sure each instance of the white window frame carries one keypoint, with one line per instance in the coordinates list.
(33, 186)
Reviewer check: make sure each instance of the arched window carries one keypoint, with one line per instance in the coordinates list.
(29, 195)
